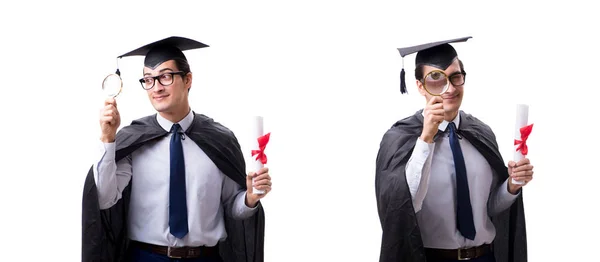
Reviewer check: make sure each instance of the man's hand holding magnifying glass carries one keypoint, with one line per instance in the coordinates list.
(433, 116)
(109, 120)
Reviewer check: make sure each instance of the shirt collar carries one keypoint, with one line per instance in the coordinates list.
(185, 123)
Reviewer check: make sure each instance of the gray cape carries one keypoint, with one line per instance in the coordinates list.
(104, 232)
(401, 238)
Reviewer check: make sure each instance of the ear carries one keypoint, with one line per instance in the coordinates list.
(421, 88)
(188, 80)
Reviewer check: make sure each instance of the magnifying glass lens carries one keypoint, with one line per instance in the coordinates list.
(111, 86)
(436, 82)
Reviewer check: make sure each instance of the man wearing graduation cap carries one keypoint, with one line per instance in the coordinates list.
(171, 186)
(443, 191)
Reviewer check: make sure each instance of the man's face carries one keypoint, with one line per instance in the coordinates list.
(169, 98)
(453, 96)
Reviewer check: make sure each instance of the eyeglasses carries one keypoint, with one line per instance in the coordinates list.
(164, 79)
(436, 81)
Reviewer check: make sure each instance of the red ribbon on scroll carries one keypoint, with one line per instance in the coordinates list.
(262, 144)
(525, 131)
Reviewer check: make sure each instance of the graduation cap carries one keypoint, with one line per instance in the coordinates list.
(437, 54)
(163, 50)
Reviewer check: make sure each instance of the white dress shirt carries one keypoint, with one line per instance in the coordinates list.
(430, 175)
(209, 192)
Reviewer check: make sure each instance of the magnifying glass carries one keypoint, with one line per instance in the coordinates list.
(112, 85)
(437, 82)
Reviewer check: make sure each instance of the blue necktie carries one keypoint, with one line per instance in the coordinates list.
(464, 212)
(178, 223)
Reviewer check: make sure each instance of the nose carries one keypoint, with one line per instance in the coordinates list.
(158, 87)
(451, 87)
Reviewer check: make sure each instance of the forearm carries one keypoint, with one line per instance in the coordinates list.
(502, 198)
(108, 178)
(233, 197)
(417, 172)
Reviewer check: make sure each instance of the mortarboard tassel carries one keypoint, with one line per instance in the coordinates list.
(118, 72)
(402, 83)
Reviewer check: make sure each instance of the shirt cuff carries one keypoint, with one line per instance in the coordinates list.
(242, 211)
(422, 150)
(245, 207)
(109, 151)
(505, 194)
(106, 154)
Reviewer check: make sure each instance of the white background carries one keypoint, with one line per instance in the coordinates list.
(325, 75)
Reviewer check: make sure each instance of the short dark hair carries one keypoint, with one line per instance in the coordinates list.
(182, 65)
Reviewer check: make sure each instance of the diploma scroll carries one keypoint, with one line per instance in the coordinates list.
(520, 136)
(259, 143)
